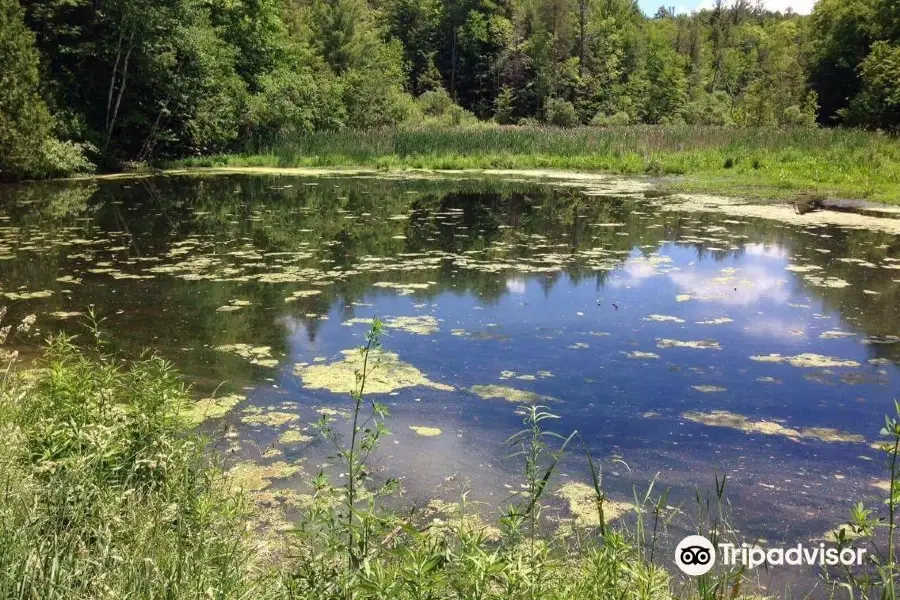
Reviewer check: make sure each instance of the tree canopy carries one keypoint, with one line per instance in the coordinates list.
(139, 80)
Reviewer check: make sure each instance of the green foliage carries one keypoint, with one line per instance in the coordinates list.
(24, 119)
(770, 163)
(878, 103)
(292, 102)
(141, 81)
(560, 113)
(619, 119)
(105, 495)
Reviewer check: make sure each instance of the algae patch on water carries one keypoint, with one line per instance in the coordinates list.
(582, 503)
(806, 360)
(697, 345)
(252, 477)
(293, 436)
(509, 394)
(426, 431)
(709, 389)
(210, 408)
(723, 418)
(664, 319)
(385, 373)
(421, 325)
(257, 355)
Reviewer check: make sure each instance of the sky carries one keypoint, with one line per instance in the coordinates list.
(650, 6)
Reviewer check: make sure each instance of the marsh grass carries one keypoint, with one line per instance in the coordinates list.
(763, 163)
(106, 493)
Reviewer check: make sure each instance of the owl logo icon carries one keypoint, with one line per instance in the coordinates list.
(695, 555)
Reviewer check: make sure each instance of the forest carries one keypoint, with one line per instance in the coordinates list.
(107, 84)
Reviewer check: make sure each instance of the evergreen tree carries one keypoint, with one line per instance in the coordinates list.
(24, 119)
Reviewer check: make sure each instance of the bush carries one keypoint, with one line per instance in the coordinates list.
(65, 159)
(619, 119)
(435, 103)
(438, 108)
(560, 113)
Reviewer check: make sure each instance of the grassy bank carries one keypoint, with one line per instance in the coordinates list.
(107, 493)
(763, 163)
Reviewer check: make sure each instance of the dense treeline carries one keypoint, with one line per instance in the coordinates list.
(110, 81)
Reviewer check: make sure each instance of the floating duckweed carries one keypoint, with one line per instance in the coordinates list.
(806, 360)
(829, 282)
(386, 373)
(61, 314)
(292, 436)
(257, 355)
(27, 295)
(802, 268)
(302, 294)
(582, 502)
(404, 289)
(426, 431)
(509, 394)
(709, 389)
(210, 408)
(459, 521)
(233, 306)
(698, 345)
(252, 477)
(723, 418)
(421, 324)
(664, 319)
(272, 419)
(833, 335)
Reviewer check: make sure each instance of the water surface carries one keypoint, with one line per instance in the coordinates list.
(679, 344)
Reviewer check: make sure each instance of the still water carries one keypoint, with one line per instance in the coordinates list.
(679, 343)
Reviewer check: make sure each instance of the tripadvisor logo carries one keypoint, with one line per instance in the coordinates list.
(695, 555)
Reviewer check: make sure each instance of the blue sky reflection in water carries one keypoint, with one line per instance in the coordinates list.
(636, 324)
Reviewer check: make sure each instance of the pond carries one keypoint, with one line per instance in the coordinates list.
(682, 337)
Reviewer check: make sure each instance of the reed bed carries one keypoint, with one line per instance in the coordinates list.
(763, 163)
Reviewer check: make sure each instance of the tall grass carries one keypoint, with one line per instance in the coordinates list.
(760, 162)
(104, 493)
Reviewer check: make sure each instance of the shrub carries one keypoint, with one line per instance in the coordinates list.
(619, 119)
(435, 103)
(560, 113)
